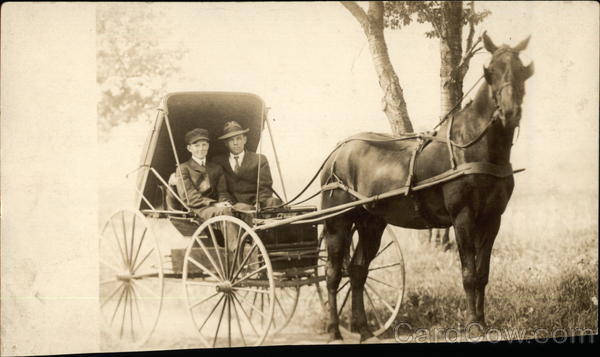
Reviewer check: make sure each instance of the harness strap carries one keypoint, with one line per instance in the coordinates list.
(449, 143)
(469, 168)
(411, 165)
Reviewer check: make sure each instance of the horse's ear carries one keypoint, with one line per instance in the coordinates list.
(487, 74)
(528, 71)
(522, 45)
(488, 44)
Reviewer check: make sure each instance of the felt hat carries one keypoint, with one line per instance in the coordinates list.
(231, 129)
(196, 134)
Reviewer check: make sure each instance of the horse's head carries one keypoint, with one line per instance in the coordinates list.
(506, 77)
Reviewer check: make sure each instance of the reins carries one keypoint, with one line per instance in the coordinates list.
(407, 136)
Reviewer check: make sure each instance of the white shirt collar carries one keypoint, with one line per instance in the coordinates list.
(240, 159)
(200, 162)
(240, 156)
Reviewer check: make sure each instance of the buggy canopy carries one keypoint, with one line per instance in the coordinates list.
(181, 112)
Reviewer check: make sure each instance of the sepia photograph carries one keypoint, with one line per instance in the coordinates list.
(233, 175)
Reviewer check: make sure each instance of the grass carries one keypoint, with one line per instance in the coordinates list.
(543, 274)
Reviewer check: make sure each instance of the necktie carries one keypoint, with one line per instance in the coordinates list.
(237, 164)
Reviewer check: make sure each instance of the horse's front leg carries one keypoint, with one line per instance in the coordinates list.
(466, 236)
(484, 250)
(336, 234)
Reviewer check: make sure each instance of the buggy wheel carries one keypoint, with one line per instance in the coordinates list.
(286, 301)
(384, 288)
(131, 277)
(228, 283)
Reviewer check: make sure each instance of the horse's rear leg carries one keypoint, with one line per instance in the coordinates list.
(337, 236)
(370, 228)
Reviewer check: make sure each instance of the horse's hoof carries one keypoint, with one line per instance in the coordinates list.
(336, 342)
(372, 339)
(476, 329)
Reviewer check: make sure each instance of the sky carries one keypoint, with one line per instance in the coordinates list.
(311, 64)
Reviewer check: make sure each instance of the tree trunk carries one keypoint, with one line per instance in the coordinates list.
(393, 103)
(451, 80)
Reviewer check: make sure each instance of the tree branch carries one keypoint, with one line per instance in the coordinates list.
(469, 44)
(358, 13)
(431, 17)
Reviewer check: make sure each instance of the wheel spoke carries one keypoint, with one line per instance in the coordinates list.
(211, 312)
(229, 321)
(250, 275)
(137, 307)
(203, 300)
(196, 263)
(343, 286)
(237, 319)
(142, 261)
(281, 308)
(380, 297)
(237, 251)
(114, 230)
(255, 309)
(383, 282)
(124, 311)
(245, 314)
(131, 313)
(383, 249)
(139, 247)
(219, 323)
(111, 295)
(374, 309)
(344, 301)
(118, 304)
(209, 256)
(131, 245)
(147, 289)
(244, 261)
(214, 240)
(112, 267)
(385, 266)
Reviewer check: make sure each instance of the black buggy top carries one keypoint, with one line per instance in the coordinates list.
(181, 112)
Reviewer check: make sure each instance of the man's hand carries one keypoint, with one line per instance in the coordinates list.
(173, 179)
(223, 204)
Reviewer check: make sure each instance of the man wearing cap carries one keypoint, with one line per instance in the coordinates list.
(200, 183)
(241, 169)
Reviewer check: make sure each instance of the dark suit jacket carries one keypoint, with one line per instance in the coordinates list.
(204, 184)
(242, 186)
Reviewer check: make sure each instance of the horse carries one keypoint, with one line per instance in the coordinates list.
(371, 164)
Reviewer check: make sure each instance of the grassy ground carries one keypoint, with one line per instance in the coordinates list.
(544, 273)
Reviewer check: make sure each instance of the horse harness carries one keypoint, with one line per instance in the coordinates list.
(455, 171)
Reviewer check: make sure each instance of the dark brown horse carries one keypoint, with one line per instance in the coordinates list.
(372, 164)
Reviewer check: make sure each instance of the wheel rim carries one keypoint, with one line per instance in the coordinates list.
(230, 293)
(131, 278)
(384, 288)
(286, 302)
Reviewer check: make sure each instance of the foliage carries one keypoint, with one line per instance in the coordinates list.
(402, 13)
(134, 62)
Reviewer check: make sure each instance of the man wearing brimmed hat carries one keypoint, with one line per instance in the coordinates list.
(200, 183)
(241, 169)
